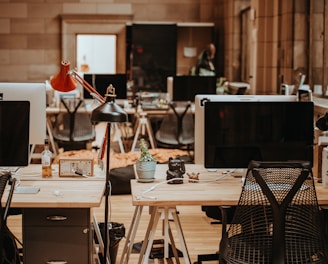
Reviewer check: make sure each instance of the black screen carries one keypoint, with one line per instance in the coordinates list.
(101, 81)
(154, 55)
(238, 132)
(186, 87)
(14, 133)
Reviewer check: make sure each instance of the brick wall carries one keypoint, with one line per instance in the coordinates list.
(30, 31)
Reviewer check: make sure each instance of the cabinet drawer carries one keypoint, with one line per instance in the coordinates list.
(68, 244)
(56, 216)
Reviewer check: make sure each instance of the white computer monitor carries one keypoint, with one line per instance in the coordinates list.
(35, 93)
(200, 100)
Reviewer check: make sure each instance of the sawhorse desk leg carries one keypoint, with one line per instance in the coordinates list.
(131, 235)
(143, 126)
(156, 214)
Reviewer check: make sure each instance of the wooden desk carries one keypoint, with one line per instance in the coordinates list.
(214, 188)
(57, 220)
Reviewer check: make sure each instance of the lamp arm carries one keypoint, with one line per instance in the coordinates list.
(95, 96)
(93, 92)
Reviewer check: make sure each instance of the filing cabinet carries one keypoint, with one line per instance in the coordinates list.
(57, 235)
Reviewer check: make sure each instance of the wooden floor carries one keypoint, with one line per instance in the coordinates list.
(201, 236)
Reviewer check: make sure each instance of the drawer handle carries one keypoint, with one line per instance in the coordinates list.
(56, 262)
(56, 218)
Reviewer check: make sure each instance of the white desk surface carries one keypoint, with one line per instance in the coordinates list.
(58, 192)
(70, 194)
(215, 188)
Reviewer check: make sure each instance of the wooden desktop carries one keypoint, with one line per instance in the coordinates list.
(214, 188)
(57, 219)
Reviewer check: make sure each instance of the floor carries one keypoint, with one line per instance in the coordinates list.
(201, 236)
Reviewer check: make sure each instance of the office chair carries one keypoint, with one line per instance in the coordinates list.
(73, 128)
(177, 128)
(277, 219)
(9, 252)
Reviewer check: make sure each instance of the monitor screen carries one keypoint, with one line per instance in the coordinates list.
(101, 81)
(186, 87)
(35, 93)
(14, 133)
(199, 114)
(238, 132)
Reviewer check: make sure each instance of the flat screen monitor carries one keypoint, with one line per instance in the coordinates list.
(14, 133)
(199, 114)
(186, 87)
(238, 132)
(101, 81)
(35, 93)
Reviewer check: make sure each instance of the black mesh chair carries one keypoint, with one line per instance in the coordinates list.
(277, 219)
(177, 127)
(73, 128)
(6, 249)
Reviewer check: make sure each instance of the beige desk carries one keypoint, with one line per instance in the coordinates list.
(214, 188)
(57, 219)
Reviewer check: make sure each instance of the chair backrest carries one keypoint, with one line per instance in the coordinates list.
(177, 127)
(6, 180)
(277, 219)
(73, 125)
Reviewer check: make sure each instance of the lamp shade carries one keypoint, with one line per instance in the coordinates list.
(63, 81)
(109, 112)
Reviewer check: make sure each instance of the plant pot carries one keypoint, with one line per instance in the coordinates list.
(146, 170)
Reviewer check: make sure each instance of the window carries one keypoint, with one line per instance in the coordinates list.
(96, 53)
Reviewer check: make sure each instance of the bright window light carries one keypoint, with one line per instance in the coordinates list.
(96, 53)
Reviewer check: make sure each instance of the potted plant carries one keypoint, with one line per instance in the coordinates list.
(146, 164)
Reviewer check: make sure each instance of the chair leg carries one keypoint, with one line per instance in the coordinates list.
(207, 257)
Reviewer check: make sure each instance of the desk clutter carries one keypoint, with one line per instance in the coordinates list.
(121, 164)
(118, 160)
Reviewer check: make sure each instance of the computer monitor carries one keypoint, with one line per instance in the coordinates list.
(238, 132)
(186, 87)
(35, 93)
(14, 133)
(199, 114)
(101, 81)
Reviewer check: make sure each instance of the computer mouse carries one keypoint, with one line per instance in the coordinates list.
(56, 192)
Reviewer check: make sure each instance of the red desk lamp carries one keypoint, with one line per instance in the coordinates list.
(65, 81)
(108, 112)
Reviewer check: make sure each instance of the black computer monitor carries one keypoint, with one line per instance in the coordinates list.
(101, 81)
(238, 132)
(14, 133)
(185, 87)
